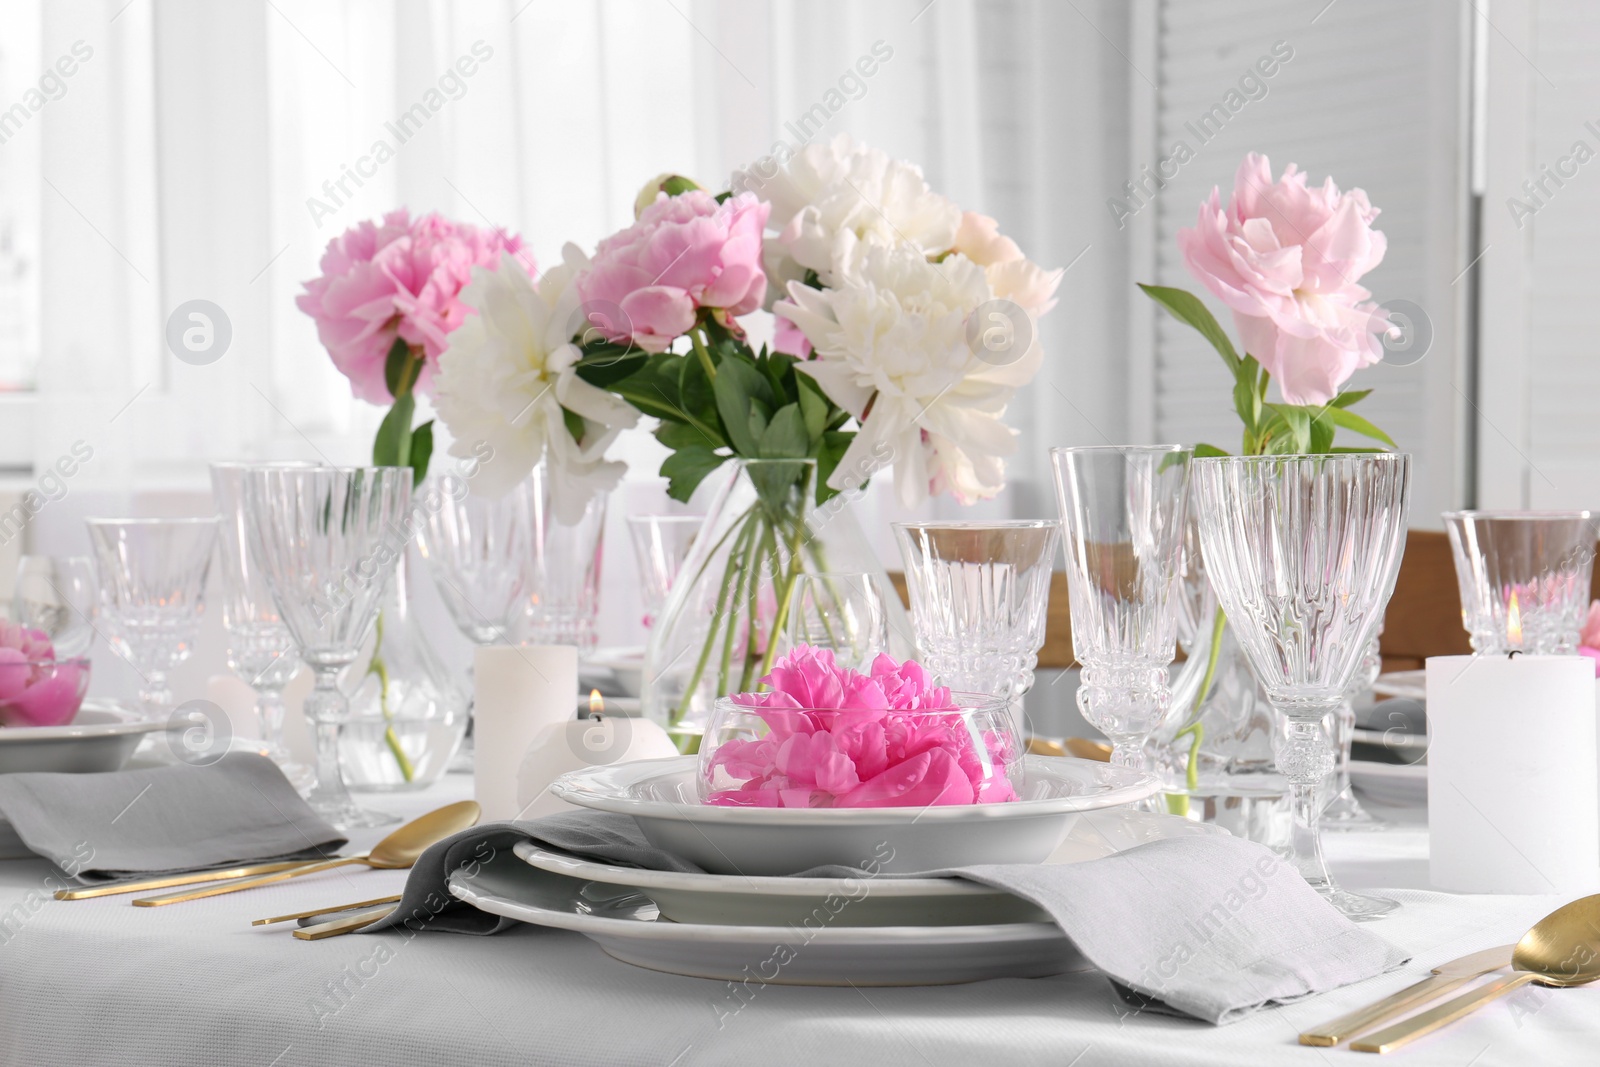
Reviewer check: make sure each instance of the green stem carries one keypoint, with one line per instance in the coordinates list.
(377, 666)
(796, 543)
(705, 356)
(705, 653)
(740, 566)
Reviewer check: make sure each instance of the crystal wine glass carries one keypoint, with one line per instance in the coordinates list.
(1524, 577)
(152, 577)
(979, 592)
(260, 650)
(660, 545)
(326, 540)
(1303, 552)
(1124, 512)
(55, 594)
(480, 553)
(563, 601)
(844, 613)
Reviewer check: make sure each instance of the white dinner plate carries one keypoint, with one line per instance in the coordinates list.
(757, 900)
(662, 798)
(100, 738)
(628, 927)
(625, 664)
(1413, 685)
(1400, 785)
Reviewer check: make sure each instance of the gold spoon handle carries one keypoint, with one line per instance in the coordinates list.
(1363, 1019)
(1443, 1015)
(326, 911)
(347, 925)
(246, 883)
(167, 881)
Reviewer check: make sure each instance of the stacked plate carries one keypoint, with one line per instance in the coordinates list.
(867, 919)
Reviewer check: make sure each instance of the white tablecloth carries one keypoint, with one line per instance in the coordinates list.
(98, 981)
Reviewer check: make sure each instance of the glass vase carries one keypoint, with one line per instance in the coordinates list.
(722, 627)
(407, 714)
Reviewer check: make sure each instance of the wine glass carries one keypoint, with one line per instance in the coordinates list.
(1524, 577)
(55, 595)
(152, 580)
(480, 551)
(660, 545)
(1124, 512)
(841, 612)
(260, 650)
(1303, 552)
(562, 601)
(326, 540)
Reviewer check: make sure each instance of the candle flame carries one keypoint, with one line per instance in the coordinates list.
(597, 703)
(1513, 622)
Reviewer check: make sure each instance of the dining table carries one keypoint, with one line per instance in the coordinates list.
(100, 982)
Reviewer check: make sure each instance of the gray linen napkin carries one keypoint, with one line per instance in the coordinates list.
(1211, 926)
(98, 827)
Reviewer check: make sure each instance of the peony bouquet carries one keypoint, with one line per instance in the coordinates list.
(35, 688)
(837, 738)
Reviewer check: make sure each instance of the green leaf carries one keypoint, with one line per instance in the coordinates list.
(738, 383)
(813, 406)
(831, 450)
(676, 435)
(1187, 308)
(605, 365)
(678, 184)
(686, 468)
(1344, 400)
(786, 436)
(574, 423)
(1298, 422)
(1351, 421)
(758, 421)
(421, 451)
(1322, 431)
(394, 368)
(392, 446)
(1205, 451)
(1247, 393)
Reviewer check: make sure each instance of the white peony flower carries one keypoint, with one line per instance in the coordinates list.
(895, 338)
(507, 374)
(832, 201)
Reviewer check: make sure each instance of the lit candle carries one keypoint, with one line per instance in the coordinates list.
(1513, 622)
(1513, 786)
(599, 740)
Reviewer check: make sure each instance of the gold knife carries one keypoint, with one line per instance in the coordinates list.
(326, 911)
(1445, 977)
(189, 878)
(348, 924)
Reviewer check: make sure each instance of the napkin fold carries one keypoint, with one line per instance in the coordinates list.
(99, 827)
(1210, 926)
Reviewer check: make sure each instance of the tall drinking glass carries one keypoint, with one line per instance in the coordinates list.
(1124, 513)
(152, 575)
(327, 539)
(562, 602)
(260, 650)
(1303, 553)
(660, 545)
(480, 553)
(1524, 577)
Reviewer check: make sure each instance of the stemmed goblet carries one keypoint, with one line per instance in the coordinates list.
(1303, 552)
(260, 650)
(152, 575)
(326, 540)
(660, 545)
(1124, 512)
(480, 553)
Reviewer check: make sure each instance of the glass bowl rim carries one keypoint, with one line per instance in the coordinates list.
(966, 703)
(1513, 514)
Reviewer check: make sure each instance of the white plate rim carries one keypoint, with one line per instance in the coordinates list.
(128, 723)
(736, 885)
(461, 887)
(588, 788)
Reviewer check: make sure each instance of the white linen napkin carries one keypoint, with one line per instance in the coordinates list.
(1210, 926)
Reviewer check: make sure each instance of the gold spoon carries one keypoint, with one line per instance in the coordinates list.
(1562, 949)
(398, 851)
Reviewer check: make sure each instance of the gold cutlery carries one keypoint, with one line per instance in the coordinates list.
(170, 880)
(1081, 747)
(349, 924)
(1445, 978)
(1562, 949)
(398, 851)
(328, 911)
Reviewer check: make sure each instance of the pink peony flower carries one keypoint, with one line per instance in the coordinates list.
(840, 738)
(33, 690)
(397, 278)
(686, 252)
(1286, 258)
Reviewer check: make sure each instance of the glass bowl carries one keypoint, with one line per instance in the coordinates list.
(41, 692)
(787, 757)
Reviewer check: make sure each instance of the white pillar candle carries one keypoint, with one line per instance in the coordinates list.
(517, 691)
(571, 746)
(1513, 799)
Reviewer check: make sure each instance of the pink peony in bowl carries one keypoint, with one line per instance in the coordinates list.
(829, 737)
(40, 692)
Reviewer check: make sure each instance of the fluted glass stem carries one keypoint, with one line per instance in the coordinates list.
(1126, 703)
(155, 696)
(328, 709)
(1305, 760)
